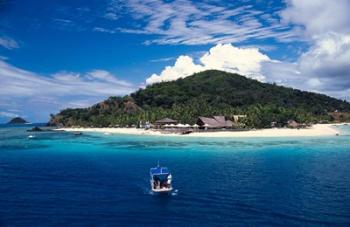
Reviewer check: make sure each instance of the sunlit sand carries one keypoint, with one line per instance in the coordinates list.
(315, 130)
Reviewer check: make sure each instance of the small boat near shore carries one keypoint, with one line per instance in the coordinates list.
(161, 179)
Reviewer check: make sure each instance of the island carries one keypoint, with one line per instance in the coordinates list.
(17, 120)
(209, 102)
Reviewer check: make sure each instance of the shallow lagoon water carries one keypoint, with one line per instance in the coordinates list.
(57, 178)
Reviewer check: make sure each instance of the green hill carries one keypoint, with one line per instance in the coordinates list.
(207, 93)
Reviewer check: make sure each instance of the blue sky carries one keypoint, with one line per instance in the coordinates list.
(58, 54)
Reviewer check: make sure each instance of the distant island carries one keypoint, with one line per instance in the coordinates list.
(207, 94)
(17, 120)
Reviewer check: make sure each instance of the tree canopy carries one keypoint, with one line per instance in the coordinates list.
(207, 93)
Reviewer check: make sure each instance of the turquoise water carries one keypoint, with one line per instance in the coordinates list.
(57, 178)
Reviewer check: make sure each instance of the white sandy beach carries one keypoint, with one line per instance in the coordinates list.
(315, 130)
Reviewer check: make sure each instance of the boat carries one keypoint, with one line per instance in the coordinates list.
(160, 179)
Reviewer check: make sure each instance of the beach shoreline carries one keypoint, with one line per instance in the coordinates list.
(313, 131)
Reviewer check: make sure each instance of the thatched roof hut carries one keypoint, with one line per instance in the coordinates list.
(214, 122)
(165, 121)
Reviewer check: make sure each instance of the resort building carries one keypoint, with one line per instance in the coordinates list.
(165, 121)
(214, 122)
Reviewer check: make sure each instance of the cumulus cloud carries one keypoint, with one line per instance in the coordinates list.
(183, 67)
(318, 16)
(41, 95)
(226, 57)
(330, 55)
(245, 61)
(323, 68)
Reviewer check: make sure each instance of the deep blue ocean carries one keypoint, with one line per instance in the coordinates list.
(58, 178)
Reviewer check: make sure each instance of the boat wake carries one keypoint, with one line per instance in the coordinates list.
(172, 193)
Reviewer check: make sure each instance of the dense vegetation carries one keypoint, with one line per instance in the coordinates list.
(207, 93)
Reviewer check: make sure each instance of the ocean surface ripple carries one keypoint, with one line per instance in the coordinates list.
(58, 178)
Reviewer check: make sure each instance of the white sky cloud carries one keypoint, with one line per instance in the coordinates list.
(162, 59)
(42, 95)
(226, 57)
(193, 23)
(8, 114)
(18, 82)
(318, 16)
(184, 66)
(245, 61)
(8, 43)
(324, 68)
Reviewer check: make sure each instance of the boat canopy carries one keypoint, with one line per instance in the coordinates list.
(159, 171)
